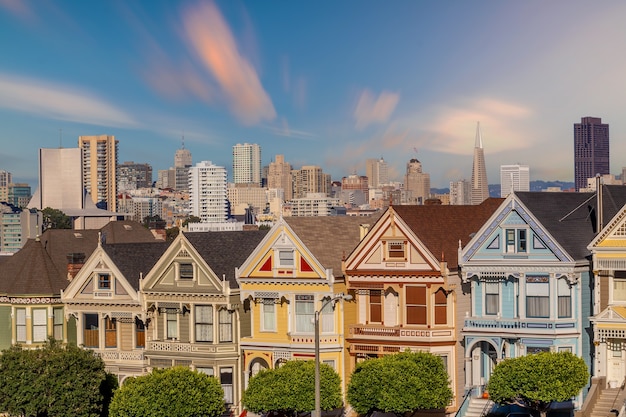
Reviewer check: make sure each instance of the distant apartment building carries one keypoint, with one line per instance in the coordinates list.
(354, 190)
(591, 150)
(166, 178)
(514, 177)
(207, 192)
(242, 196)
(279, 176)
(247, 164)
(17, 226)
(100, 169)
(460, 193)
(19, 194)
(132, 176)
(140, 207)
(309, 179)
(416, 182)
(314, 204)
(377, 172)
(5, 179)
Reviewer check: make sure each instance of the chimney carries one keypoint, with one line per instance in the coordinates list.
(75, 262)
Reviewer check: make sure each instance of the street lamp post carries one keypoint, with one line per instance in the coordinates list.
(334, 299)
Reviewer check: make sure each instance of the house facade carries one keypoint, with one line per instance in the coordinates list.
(104, 301)
(194, 316)
(528, 272)
(295, 272)
(405, 279)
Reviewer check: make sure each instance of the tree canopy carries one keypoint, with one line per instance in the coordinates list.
(55, 219)
(400, 383)
(535, 381)
(290, 389)
(171, 392)
(56, 380)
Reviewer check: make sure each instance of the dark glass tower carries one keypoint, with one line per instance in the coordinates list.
(591, 150)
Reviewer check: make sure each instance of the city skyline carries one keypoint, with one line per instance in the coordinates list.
(325, 83)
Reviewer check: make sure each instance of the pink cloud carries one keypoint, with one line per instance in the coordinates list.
(18, 8)
(374, 110)
(211, 39)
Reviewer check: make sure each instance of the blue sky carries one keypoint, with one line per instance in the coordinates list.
(327, 83)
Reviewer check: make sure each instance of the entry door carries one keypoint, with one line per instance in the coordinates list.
(615, 362)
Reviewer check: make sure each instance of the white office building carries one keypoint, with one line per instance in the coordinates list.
(207, 192)
(514, 178)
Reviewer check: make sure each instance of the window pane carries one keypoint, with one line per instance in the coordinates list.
(204, 323)
(327, 319)
(39, 325)
(269, 315)
(376, 306)
(90, 332)
(172, 325)
(305, 314)
(186, 271)
(226, 380)
(226, 326)
(20, 321)
(619, 289)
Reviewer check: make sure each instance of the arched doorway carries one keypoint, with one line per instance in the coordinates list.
(483, 357)
(256, 365)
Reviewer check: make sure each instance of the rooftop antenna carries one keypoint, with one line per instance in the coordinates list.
(183, 139)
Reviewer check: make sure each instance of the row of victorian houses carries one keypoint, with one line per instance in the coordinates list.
(472, 284)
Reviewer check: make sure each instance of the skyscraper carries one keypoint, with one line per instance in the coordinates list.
(132, 176)
(279, 176)
(591, 150)
(417, 182)
(207, 192)
(182, 162)
(309, 179)
(247, 164)
(514, 178)
(5, 180)
(100, 169)
(480, 186)
(376, 172)
(60, 180)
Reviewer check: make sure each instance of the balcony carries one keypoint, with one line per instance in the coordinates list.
(400, 333)
(546, 327)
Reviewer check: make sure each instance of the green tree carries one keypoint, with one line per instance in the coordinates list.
(171, 392)
(55, 219)
(290, 389)
(400, 383)
(191, 219)
(55, 380)
(535, 381)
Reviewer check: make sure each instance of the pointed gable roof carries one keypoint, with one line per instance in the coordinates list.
(571, 217)
(440, 228)
(40, 267)
(135, 260)
(225, 251)
(330, 238)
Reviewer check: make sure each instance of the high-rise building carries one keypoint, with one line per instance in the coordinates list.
(60, 180)
(247, 163)
(182, 162)
(460, 193)
(377, 172)
(207, 192)
(480, 186)
(591, 150)
(132, 176)
(19, 194)
(416, 182)
(514, 177)
(279, 176)
(309, 179)
(5, 179)
(100, 169)
(182, 157)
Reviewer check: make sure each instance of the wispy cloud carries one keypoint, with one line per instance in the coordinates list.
(212, 40)
(59, 102)
(374, 110)
(18, 8)
(285, 130)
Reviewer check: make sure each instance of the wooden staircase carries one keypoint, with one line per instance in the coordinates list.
(609, 399)
(478, 407)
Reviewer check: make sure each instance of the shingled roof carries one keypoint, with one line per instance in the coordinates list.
(571, 217)
(135, 260)
(225, 251)
(330, 239)
(40, 267)
(441, 227)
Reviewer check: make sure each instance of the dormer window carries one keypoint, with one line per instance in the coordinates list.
(395, 250)
(285, 258)
(516, 241)
(104, 281)
(185, 271)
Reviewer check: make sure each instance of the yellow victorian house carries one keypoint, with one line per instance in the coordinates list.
(294, 273)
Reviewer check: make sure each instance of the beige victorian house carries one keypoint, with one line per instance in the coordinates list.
(194, 315)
